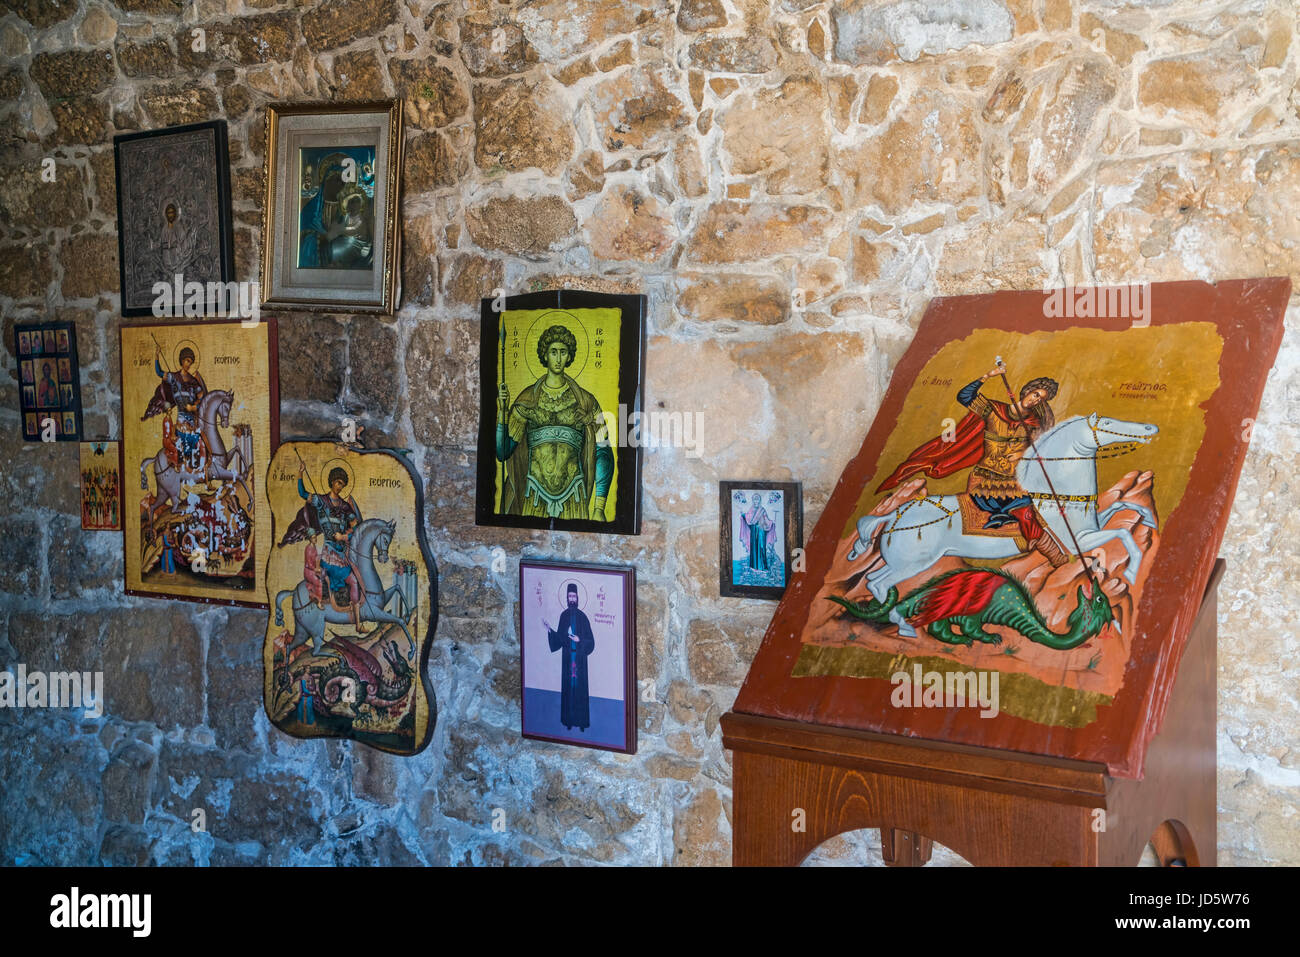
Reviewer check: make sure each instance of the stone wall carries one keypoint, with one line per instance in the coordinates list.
(790, 181)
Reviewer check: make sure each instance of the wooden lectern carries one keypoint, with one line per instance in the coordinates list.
(1091, 615)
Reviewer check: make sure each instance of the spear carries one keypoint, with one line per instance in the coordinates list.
(305, 471)
(1015, 407)
(158, 345)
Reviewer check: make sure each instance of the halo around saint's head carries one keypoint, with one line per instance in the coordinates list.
(562, 594)
(329, 467)
(193, 346)
(556, 317)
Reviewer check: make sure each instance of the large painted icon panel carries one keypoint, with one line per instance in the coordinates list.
(561, 391)
(1039, 500)
(352, 591)
(200, 417)
(173, 211)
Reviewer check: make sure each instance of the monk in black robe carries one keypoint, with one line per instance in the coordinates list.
(573, 638)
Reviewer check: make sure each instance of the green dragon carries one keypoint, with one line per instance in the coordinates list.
(956, 606)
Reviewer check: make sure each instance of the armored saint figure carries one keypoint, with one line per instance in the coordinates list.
(991, 440)
(558, 462)
(182, 389)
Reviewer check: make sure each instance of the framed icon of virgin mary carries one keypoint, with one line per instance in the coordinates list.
(330, 236)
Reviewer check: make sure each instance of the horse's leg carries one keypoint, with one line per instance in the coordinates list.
(1148, 517)
(1090, 540)
(385, 618)
(866, 529)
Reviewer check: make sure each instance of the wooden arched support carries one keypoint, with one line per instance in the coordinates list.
(795, 785)
(1174, 846)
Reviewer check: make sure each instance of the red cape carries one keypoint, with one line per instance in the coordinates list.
(938, 458)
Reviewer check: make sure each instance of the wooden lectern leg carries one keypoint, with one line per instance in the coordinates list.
(904, 848)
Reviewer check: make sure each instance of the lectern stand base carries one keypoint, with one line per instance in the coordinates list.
(796, 785)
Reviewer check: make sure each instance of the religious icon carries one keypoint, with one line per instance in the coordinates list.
(761, 526)
(352, 590)
(1013, 511)
(560, 422)
(199, 412)
(24, 343)
(50, 386)
(173, 215)
(330, 236)
(577, 637)
(336, 221)
(101, 486)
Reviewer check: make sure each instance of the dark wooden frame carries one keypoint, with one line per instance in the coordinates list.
(226, 244)
(74, 371)
(792, 535)
(631, 389)
(273, 368)
(390, 291)
(426, 646)
(628, 574)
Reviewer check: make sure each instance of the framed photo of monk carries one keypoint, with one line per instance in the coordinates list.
(51, 384)
(561, 426)
(200, 419)
(333, 184)
(173, 219)
(761, 524)
(577, 642)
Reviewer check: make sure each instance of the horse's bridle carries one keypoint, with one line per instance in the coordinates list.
(1098, 428)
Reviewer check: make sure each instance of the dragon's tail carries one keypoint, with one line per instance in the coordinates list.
(874, 611)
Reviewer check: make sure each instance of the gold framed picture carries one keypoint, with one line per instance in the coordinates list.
(333, 181)
(200, 419)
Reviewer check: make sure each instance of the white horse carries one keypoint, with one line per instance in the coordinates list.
(918, 533)
(369, 540)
